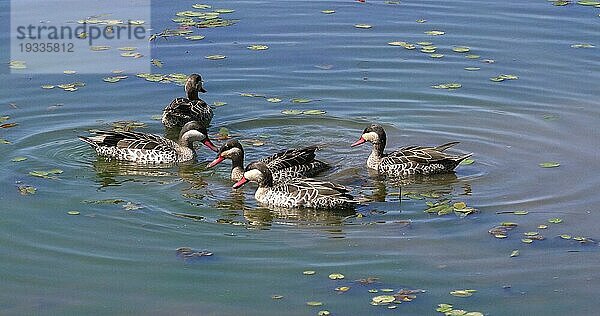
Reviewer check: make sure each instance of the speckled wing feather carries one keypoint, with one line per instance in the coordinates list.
(134, 140)
(183, 110)
(290, 158)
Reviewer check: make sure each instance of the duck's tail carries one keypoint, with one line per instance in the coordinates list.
(446, 146)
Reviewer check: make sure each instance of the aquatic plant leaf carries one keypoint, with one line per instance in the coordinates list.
(73, 212)
(27, 189)
(435, 33)
(323, 313)
(195, 37)
(342, 289)
(467, 162)
(542, 226)
(309, 272)
(383, 299)
(472, 56)
(461, 49)
(514, 253)
(258, 47)
(436, 55)
(421, 21)
(527, 240)
(328, 11)
(555, 220)
(520, 212)
(219, 103)
(301, 100)
(274, 100)
(215, 57)
(4, 141)
(461, 293)
(314, 303)
(363, 26)
(291, 112)
(18, 159)
(470, 69)
(565, 236)
(549, 164)
(336, 276)
(313, 112)
(276, 297)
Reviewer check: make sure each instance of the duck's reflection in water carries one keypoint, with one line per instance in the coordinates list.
(114, 172)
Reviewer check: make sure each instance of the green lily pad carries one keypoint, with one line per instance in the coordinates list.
(520, 212)
(514, 253)
(309, 272)
(435, 33)
(258, 47)
(26, 189)
(472, 56)
(157, 62)
(276, 297)
(550, 164)
(448, 86)
(328, 11)
(555, 220)
(323, 313)
(4, 141)
(566, 236)
(195, 37)
(291, 112)
(274, 100)
(462, 293)
(224, 11)
(215, 57)
(588, 3)
(527, 240)
(583, 45)
(18, 159)
(313, 112)
(99, 48)
(314, 303)
(542, 226)
(436, 55)
(219, 103)
(467, 162)
(301, 100)
(73, 213)
(336, 276)
(403, 44)
(383, 299)
(461, 49)
(363, 26)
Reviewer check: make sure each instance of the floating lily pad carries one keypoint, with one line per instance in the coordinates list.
(215, 57)
(49, 174)
(382, 299)
(314, 303)
(336, 276)
(435, 33)
(17, 64)
(363, 26)
(527, 240)
(514, 253)
(461, 49)
(201, 6)
(436, 55)
(301, 100)
(560, 3)
(555, 220)
(342, 289)
(219, 103)
(4, 118)
(276, 297)
(449, 86)
(291, 112)
(421, 21)
(18, 159)
(258, 47)
(4, 141)
(462, 293)
(472, 56)
(550, 164)
(328, 11)
(274, 100)
(323, 313)
(403, 44)
(26, 189)
(195, 37)
(520, 212)
(309, 272)
(73, 212)
(224, 11)
(588, 3)
(565, 236)
(467, 162)
(99, 48)
(313, 112)
(69, 72)
(472, 69)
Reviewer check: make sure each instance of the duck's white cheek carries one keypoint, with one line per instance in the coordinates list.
(253, 175)
(370, 137)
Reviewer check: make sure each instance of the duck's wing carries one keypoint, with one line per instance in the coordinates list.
(131, 140)
(421, 154)
(290, 158)
(179, 106)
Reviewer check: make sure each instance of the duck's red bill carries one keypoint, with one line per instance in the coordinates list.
(210, 145)
(215, 162)
(358, 142)
(240, 183)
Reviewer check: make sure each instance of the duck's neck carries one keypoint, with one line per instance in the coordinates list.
(192, 94)
(376, 155)
(187, 140)
(237, 168)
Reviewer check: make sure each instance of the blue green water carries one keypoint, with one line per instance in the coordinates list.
(121, 258)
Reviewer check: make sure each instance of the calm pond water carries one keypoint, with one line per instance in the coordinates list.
(120, 258)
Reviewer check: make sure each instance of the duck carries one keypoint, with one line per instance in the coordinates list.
(409, 160)
(283, 165)
(192, 108)
(147, 148)
(296, 192)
